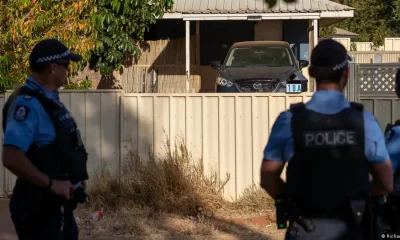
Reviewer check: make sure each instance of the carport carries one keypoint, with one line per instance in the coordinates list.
(220, 23)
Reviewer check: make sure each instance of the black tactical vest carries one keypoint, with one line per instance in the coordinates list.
(329, 166)
(63, 159)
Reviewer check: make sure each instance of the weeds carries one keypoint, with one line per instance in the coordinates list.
(173, 183)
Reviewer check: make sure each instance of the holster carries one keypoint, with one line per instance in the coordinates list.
(78, 196)
(358, 208)
(297, 216)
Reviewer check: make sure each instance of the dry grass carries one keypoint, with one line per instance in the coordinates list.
(167, 197)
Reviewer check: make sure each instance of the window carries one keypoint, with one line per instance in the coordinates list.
(259, 56)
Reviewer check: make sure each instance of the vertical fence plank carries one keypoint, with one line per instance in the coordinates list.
(109, 127)
(161, 125)
(210, 131)
(130, 121)
(260, 133)
(244, 153)
(194, 137)
(227, 144)
(93, 130)
(178, 120)
(146, 126)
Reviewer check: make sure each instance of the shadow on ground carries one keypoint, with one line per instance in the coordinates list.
(7, 231)
(141, 223)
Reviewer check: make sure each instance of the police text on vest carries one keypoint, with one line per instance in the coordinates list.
(330, 138)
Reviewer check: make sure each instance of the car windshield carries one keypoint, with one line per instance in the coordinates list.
(259, 56)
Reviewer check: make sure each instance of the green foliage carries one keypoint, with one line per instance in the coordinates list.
(25, 22)
(104, 32)
(121, 25)
(373, 20)
(79, 85)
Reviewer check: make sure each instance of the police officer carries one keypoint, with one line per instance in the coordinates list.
(392, 137)
(392, 133)
(43, 148)
(331, 146)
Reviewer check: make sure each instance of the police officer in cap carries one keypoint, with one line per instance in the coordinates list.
(331, 146)
(392, 137)
(43, 148)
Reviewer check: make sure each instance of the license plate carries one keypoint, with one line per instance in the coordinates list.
(293, 88)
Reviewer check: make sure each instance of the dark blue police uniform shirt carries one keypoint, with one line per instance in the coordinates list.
(393, 146)
(32, 124)
(280, 146)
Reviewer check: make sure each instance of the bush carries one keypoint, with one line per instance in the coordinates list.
(173, 184)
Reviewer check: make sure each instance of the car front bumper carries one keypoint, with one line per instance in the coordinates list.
(281, 88)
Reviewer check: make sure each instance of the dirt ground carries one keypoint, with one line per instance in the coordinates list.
(7, 231)
(143, 224)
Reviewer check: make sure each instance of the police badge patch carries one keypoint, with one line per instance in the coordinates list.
(21, 113)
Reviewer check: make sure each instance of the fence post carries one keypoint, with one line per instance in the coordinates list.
(353, 83)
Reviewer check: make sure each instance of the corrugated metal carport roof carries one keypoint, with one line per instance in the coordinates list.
(254, 6)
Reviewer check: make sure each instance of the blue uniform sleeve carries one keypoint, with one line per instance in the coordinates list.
(279, 146)
(393, 146)
(22, 123)
(375, 146)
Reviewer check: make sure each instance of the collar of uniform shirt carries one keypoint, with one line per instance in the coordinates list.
(48, 93)
(327, 102)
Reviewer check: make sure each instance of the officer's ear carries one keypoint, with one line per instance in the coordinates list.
(52, 68)
(345, 73)
(344, 78)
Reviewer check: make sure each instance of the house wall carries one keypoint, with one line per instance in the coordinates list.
(268, 31)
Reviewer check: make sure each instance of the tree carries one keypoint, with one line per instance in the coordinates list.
(373, 20)
(105, 32)
(121, 26)
(25, 22)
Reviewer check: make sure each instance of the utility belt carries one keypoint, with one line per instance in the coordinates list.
(33, 199)
(288, 210)
(30, 198)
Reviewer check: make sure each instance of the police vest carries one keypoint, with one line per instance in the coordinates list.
(329, 166)
(63, 159)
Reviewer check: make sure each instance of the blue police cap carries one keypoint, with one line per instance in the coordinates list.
(51, 50)
(328, 57)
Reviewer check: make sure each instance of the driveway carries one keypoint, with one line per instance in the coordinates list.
(7, 231)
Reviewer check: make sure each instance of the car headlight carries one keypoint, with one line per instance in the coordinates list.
(224, 82)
